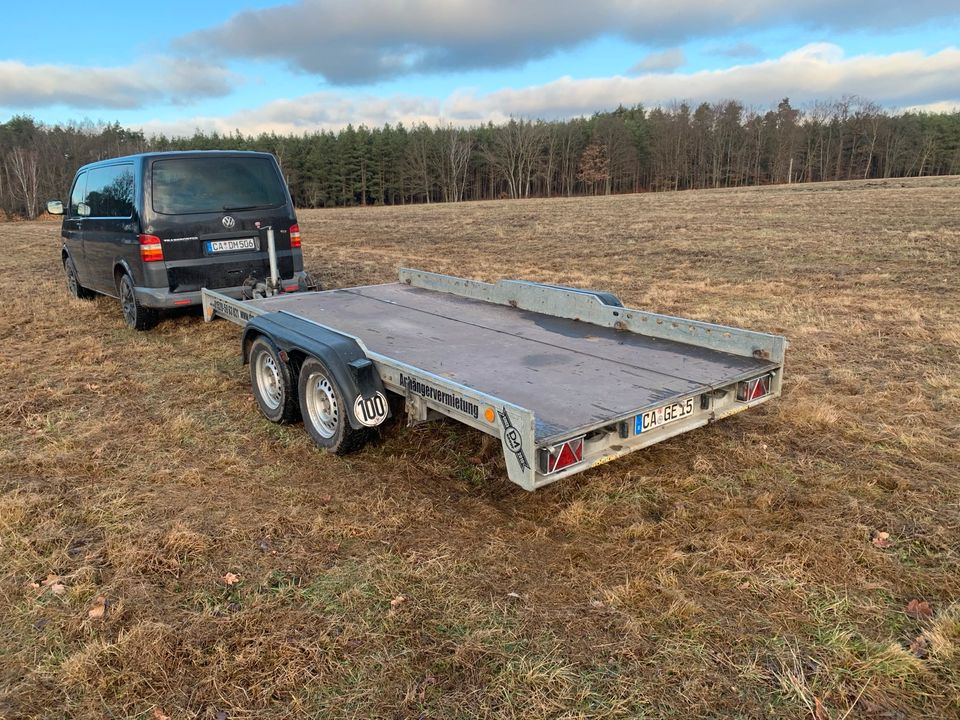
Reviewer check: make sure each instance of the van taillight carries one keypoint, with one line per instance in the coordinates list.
(151, 249)
(294, 236)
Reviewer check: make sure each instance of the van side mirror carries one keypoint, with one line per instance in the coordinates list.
(83, 210)
(55, 207)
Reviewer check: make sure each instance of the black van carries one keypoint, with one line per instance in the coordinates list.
(153, 229)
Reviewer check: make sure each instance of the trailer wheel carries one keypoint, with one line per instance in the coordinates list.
(272, 383)
(325, 411)
(73, 281)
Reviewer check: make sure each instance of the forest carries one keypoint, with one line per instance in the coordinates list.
(626, 150)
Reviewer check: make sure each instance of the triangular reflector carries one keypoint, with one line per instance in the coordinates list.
(566, 458)
(759, 389)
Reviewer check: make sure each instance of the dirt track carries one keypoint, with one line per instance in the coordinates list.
(739, 569)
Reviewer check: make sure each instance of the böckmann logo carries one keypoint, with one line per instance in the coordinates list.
(512, 438)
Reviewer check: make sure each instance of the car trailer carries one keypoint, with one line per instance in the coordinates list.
(567, 379)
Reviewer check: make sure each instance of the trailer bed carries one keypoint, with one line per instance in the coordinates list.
(572, 375)
(566, 378)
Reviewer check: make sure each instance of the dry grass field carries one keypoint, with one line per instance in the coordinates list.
(166, 552)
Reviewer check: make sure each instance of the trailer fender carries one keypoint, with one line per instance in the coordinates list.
(295, 339)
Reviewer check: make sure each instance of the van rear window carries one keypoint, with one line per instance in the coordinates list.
(215, 184)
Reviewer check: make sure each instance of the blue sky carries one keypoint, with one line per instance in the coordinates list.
(310, 64)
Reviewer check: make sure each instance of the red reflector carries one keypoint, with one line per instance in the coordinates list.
(566, 458)
(290, 288)
(753, 389)
(181, 302)
(151, 249)
(294, 236)
(562, 456)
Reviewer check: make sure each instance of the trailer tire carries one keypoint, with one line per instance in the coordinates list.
(272, 383)
(325, 410)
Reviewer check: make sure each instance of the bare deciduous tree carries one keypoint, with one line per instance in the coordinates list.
(23, 178)
(515, 154)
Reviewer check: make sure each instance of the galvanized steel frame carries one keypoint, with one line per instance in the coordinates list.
(514, 425)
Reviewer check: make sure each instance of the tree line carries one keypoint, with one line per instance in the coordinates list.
(633, 149)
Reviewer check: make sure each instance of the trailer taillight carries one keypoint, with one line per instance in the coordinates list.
(754, 389)
(294, 236)
(151, 249)
(558, 457)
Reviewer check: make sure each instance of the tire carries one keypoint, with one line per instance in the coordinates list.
(324, 410)
(135, 315)
(73, 281)
(273, 383)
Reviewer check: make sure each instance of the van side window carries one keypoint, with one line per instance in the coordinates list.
(78, 195)
(110, 191)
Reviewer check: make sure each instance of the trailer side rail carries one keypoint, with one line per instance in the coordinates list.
(578, 305)
(236, 311)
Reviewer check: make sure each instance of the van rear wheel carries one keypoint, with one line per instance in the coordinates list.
(272, 383)
(325, 411)
(135, 315)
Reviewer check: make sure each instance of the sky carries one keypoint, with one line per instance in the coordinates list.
(305, 65)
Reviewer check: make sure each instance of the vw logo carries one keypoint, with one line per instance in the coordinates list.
(228, 222)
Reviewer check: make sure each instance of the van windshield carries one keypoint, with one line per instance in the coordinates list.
(215, 184)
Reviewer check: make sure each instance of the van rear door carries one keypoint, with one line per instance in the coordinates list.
(211, 214)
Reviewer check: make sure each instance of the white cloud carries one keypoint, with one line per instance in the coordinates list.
(159, 80)
(310, 113)
(817, 71)
(667, 60)
(944, 106)
(369, 40)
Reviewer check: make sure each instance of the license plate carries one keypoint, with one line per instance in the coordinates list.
(652, 419)
(218, 246)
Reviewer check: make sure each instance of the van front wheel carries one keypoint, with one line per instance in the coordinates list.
(73, 280)
(135, 315)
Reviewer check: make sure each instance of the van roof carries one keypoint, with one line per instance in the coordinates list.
(177, 153)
